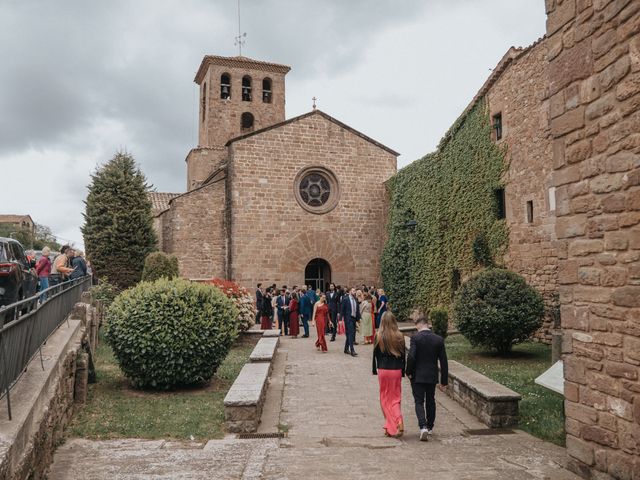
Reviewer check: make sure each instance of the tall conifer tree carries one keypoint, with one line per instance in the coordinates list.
(118, 229)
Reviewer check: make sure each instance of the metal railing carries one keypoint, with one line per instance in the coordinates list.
(26, 325)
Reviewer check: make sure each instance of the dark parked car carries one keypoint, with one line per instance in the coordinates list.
(18, 279)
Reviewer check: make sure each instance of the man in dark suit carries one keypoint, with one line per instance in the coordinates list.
(304, 309)
(350, 314)
(426, 351)
(283, 311)
(259, 298)
(333, 300)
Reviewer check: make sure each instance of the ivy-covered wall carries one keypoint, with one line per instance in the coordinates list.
(451, 193)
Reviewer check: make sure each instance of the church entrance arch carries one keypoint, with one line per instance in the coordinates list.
(317, 273)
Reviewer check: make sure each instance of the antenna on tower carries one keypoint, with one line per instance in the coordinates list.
(241, 38)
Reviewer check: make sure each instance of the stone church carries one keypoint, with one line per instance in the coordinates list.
(297, 201)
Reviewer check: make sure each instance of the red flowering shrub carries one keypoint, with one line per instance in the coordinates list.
(241, 298)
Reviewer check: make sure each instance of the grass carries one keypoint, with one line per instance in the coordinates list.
(115, 410)
(541, 412)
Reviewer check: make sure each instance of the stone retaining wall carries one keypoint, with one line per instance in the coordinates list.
(494, 404)
(245, 399)
(44, 401)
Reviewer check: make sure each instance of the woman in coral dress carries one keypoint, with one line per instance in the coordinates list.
(294, 325)
(320, 318)
(389, 364)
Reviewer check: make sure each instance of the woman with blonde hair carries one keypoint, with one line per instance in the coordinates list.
(366, 319)
(389, 356)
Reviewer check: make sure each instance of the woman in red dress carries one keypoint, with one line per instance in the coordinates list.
(294, 325)
(320, 318)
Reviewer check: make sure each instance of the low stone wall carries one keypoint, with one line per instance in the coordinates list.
(493, 403)
(44, 400)
(245, 399)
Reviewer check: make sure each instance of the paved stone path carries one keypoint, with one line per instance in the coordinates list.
(328, 402)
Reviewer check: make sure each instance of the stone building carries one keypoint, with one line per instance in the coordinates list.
(516, 98)
(594, 119)
(19, 222)
(272, 200)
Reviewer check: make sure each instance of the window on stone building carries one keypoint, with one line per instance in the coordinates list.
(455, 280)
(266, 90)
(497, 125)
(246, 88)
(203, 107)
(225, 86)
(530, 211)
(501, 210)
(246, 122)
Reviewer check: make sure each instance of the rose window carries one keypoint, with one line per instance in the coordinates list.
(315, 190)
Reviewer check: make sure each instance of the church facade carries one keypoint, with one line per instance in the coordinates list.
(297, 201)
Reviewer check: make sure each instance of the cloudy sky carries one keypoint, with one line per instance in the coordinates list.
(82, 79)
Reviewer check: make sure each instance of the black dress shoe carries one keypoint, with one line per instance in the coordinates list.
(346, 352)
(332, 340)
(354, 354)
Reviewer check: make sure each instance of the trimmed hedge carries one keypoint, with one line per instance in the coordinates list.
(439, 321)
(497, 309)
(158, 265)
(451, 193)
(170, 333)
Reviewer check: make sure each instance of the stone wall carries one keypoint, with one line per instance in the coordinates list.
(44, 400)
(202, 162)
(273, 237)
(519, 95)
(594, 88)
(194, 231)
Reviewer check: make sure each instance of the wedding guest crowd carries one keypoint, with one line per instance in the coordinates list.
(347, 311)
(356, 310)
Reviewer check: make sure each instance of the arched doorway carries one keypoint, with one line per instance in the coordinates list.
(318, 274)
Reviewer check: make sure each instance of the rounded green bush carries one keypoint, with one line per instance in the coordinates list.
(171, 333)
(439, 321)
(496, 309)
(158, 265)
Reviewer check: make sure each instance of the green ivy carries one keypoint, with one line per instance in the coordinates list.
(451, 194)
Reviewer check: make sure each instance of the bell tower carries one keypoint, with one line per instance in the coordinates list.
(237, 95)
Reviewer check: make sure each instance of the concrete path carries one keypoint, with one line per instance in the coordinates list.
(329, 405)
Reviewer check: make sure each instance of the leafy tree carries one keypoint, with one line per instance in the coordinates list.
(21, 234)
(44, 237)
(118, 229)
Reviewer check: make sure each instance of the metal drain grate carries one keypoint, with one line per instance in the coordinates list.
(489, 431)
(251, 436)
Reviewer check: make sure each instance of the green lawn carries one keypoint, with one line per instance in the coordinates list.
(115, 410)
(540, 409)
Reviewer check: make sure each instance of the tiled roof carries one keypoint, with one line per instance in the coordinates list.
(322, 114)
(14, 218)
(160, 201)
(239, 62)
